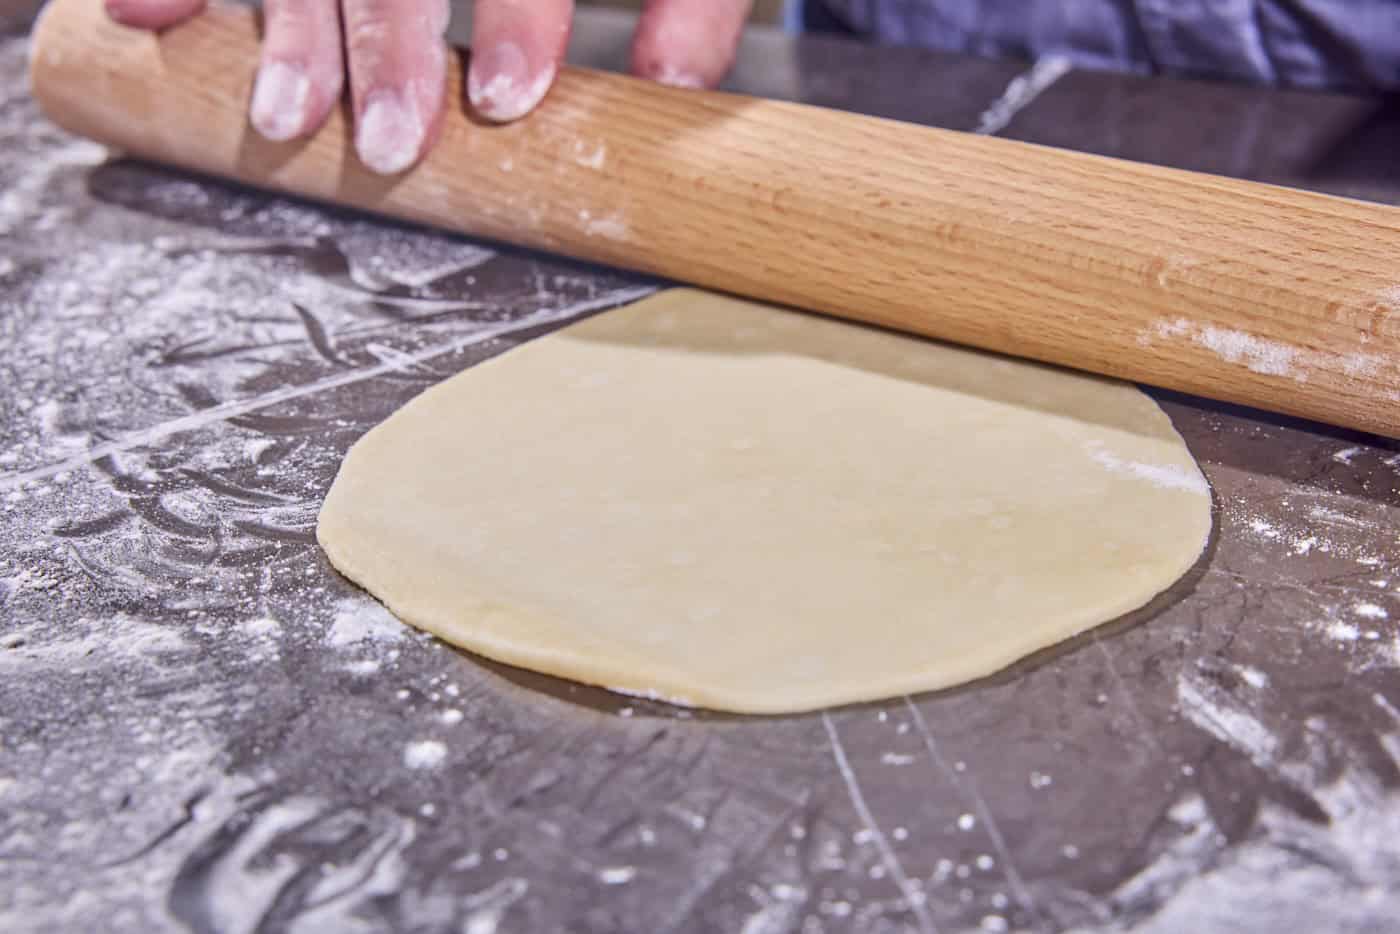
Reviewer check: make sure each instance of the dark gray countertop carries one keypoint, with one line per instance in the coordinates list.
(203, 728)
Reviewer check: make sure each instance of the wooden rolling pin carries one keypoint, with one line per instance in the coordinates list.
(1238, 291)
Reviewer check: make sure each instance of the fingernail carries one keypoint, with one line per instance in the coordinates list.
(678, 78)
(500, 85)
(280, 95)
(390, 132)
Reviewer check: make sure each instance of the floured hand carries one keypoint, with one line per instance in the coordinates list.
(395, 57)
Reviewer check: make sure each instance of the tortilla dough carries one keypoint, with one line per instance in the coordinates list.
(725, 504)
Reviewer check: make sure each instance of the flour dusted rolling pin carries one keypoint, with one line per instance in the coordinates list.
(1234, 290)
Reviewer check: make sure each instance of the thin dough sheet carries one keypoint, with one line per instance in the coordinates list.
(728, 505)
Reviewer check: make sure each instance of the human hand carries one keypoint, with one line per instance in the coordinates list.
(396, 61)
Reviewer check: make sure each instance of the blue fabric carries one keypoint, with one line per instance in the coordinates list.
(1344, 44)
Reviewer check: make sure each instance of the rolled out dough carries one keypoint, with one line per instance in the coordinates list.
(724, 504)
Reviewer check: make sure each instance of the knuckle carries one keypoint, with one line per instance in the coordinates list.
(298, 17)
(364, 35)
(369, 23)
(373, 26)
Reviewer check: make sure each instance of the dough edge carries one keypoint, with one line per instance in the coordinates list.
(666, 684)
(484, 627)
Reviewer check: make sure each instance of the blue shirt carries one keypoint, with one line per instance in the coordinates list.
(1343, 44)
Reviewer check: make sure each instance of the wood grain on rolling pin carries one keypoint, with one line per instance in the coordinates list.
(1248, 293)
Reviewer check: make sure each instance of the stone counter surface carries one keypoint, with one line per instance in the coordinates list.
(204, 728)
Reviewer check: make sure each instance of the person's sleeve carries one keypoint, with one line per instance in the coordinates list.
(1339, 44)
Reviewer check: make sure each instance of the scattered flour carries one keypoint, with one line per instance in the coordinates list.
(1261, 355)
(1345, 529)
(487, 908)
(1263, 529)
(264, 627)
(1343, 632)
(654, 695)
(88, 644)
(1253, 676)
(612, 227)
(22, 201)
(255, 448)
(590, 157)
(359, 620)
(1289, 873)
(617, 875)
(1168, 476)
(1210, 708)
(424, 754)
(1022, 90)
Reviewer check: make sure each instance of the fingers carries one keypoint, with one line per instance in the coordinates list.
(398, 63)
(152, 14)
(302, 73)
(688, 43)
(517, 46)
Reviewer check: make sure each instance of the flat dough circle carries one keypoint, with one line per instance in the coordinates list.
(725, 504)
